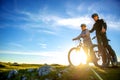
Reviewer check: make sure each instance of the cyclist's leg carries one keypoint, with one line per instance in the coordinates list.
(101, 49)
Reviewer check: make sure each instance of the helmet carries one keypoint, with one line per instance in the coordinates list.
(83, 25)
(93, 15)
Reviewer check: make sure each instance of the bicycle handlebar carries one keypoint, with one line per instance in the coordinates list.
(77, 40)
(94, 37)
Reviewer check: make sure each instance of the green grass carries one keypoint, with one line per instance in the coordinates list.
(109, 73)
(11, 66)
(82, 72)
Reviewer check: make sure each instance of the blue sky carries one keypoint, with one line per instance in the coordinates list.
(46, 27)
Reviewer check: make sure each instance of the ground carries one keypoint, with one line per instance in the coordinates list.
(60, 72)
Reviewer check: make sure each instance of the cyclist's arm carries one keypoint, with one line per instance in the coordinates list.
(82, 35)
(77, 38)
(92, 29)
(104, 26)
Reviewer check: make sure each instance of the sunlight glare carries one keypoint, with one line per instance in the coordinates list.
(78, 57)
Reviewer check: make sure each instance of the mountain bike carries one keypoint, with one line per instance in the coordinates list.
(110, 59)
(74, 51)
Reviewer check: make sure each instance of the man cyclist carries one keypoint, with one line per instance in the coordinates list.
(85, 34)
(100, 27)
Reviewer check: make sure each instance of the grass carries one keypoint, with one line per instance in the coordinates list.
(82, 72)
(109, 73)
(11, 66)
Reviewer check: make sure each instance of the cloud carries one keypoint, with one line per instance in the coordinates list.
(113, 22)
(30, 16)
(16, 45)
(73, 23)
(38, 22)
(53, 21)
(43, 45)
(42, 53)
(76, 14)
(47, 32)
(50, 23)
(86, 9)
(114, 25)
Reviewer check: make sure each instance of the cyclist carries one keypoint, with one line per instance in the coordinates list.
(100, 27)
(85, 34)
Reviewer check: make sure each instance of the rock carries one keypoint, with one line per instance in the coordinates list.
(59, 75)
(12, 73)
(23, 77)
(44, 70)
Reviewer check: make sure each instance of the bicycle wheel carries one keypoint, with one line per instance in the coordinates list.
(112, 59)
(109, 59)
(76, 56)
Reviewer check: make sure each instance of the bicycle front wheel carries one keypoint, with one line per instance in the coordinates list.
(76, 56)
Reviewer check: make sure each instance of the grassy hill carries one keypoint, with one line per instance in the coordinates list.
(61, 72)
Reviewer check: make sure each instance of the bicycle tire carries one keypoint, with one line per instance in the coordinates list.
(69, 54)
(115, 64)
(111, 61)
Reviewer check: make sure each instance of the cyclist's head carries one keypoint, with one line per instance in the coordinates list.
(83, 26)
(95, 16)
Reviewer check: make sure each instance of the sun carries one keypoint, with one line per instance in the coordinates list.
(78, 57)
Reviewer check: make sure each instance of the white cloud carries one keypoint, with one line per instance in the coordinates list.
(30, 16)
(51, 22)
(43, 45)
(114, 25)
(113, 22)
(16, 45)
(73, 23)
(42, 53)
(87, 9)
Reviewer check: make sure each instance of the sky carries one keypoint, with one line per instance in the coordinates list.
(45, 28)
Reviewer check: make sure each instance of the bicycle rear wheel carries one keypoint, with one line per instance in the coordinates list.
(76, 56)
(112, 59)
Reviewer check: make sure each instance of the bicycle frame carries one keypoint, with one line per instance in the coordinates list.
(80, 44)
